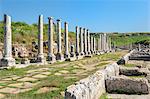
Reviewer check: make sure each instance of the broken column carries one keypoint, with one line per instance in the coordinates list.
(88, 42)
(81, 41)
(85, 42)
(51, 56)
(66, 55)
(59, 55)
(7, 59)
(40, 56)
(77, 41)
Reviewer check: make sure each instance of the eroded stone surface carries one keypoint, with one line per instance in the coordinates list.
(46, 89)
(39, 76)
(123, 84)
(9, 90)
(27, 79)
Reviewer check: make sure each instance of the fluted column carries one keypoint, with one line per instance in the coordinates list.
(81, 42)
(7, 59)
(77, 41)
(66, 55)
(59, 55)
(40, 57)
(51, 56)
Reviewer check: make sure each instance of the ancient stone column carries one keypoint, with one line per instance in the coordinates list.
(7, 59)
(110, 44)
(40, 57)
(88, 42)
(91, 44)
(66, 55)
(51, 56)
(77, 41)
(85, 41)
(98, 45)
(59, 55)
(94, 45)
(105, 42)
(72, 53)
(81, 42)
(102, 42)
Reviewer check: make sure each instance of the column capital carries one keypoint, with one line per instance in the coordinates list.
(58, 20)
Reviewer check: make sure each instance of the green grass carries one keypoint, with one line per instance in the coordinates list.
(52, 81)
(103, 96)
(129, 65)
(12, 71)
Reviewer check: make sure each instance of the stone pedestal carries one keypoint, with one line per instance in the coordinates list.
(7, 59)
(51, 57)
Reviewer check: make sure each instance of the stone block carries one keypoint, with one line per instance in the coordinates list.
(126, 85)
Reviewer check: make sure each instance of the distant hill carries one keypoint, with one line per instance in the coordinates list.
(25, 33)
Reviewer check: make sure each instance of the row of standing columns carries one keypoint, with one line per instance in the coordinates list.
(85, 42)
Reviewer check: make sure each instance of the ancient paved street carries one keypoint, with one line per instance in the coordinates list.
(52, 78)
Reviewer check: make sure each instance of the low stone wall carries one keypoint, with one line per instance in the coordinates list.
(123, 84)
(93, 86)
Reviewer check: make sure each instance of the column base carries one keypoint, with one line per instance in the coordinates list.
(51, 58)
(72, 54)
(59, 57)
(79, 57)
(66, 56)
(25, 61)
(85, 53)
(89, 52)
(7, 62)
(41, 59)
(71, 59)
(82, 53)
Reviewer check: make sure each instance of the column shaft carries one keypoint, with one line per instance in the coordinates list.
(77, 41)
(81, 42)
(66, 40)
(40, 57)
(51, 56)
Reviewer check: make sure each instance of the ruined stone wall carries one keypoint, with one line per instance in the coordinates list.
(93, 86)
(125, 58)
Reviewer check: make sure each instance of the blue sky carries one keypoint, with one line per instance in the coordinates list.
(97, 15)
